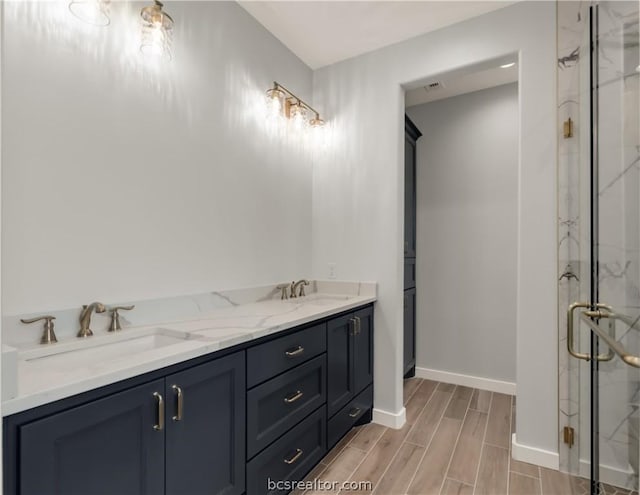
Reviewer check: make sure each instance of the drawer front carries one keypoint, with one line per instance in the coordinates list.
(267, 360)
(344, 420)
(276, 406)
(409, 273)
(290, 458)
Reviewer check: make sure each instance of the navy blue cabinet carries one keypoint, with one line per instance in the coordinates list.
(205, 437)
(183, 434)
(349, 357)
(104, 447)
(411, 136)
(409, 330)
(349, 371)
(214, 425)
(340, 379)
(363, 350)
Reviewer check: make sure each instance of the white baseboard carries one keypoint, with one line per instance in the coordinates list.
(501, 387)
(389, 419)
(534, 455)
(608, 474)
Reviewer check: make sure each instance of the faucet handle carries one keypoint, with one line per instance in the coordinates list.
(302, 284)
(48, 336)
(115, 317)
(283, 291)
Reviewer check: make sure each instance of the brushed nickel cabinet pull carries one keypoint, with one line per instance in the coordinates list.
(160, 400)
(354, 326)
(294, 397)
(296, 352)
(354, 412)
(358, 325)
(180, 403)
(293, 459)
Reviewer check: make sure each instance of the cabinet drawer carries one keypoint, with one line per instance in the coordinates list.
(342, 422)
(267, 360)
(277, 405)
(290, 458)
(409, 273)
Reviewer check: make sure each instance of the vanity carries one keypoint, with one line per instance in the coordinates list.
(228, 412)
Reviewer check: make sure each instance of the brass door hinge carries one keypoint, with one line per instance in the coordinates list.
(568, 128)
(569, 436)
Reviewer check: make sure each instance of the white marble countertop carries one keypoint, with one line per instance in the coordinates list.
(61, 374)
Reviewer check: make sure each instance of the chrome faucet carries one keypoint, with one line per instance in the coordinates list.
(85, 318)
(295, 285)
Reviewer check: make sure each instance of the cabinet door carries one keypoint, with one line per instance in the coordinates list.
(409, 329)
(104, 447)
(409, 198)
(363, 350)
(206, 444)
(340, 379)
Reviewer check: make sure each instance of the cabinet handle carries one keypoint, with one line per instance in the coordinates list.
(295, 352)
(180, 404)
(294, 397)
(354, 412)
(353, 329)
(295, 457)
(160, 400)
(358, 325)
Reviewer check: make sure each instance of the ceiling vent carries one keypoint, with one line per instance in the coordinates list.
(434, 86)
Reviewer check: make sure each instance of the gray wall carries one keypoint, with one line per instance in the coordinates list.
(467, 186)
(123, 180)
(358, 185)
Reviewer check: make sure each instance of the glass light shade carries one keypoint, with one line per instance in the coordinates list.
(275, 99)
(94, 12)
(316, 122)
(157, 32)
(298, 115)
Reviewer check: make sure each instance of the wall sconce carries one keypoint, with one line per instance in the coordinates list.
(94, 12)
(157, 31)
(284, 102)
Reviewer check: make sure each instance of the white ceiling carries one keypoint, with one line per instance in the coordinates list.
(325, 32)
(454, 84)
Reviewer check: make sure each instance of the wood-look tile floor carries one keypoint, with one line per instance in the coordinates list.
(457, 441)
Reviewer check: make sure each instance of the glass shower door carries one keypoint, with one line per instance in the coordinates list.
(609, 324)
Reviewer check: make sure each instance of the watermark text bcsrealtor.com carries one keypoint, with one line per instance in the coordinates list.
(317, 485)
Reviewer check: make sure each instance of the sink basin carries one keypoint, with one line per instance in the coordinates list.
(100, 349)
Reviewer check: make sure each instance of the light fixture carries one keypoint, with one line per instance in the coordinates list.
(157, 31)
(638, 68)
(506, 66)
(284, 102)
(94, 12)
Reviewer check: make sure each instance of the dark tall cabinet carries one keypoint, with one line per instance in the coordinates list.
(411, 135)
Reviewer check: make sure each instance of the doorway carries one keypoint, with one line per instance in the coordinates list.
(466, 225)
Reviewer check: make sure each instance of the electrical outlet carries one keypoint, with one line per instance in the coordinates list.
(332, 271)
